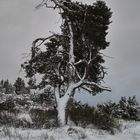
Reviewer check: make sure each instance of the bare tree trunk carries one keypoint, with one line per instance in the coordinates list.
(61, 109)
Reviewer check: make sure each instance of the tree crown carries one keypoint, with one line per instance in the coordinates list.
(74, 54)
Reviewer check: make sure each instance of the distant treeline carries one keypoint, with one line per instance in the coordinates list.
(18, 87)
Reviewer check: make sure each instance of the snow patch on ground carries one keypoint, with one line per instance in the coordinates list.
(24, 116)
(130, 131)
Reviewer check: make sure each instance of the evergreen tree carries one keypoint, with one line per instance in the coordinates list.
(19, 86)
(2, 82)
(7, 87)
(32, 83)
(72, 60)
(1, 85)
(128, 108)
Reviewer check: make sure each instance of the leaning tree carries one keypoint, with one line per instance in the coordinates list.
(72, 60)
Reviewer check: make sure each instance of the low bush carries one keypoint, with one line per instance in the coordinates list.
(85, 115)
(44, 118)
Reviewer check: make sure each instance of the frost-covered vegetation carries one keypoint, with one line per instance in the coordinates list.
(37, 110)
(129, 130)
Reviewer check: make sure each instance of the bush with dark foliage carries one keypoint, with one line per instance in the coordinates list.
(44, 115)
(84, 115)
(127, 108)
(44, 118)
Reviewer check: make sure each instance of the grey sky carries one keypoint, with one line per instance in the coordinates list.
(20, 24)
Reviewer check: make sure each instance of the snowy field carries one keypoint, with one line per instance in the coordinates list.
(129, 131)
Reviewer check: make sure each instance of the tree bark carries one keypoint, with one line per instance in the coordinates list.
(61, 109)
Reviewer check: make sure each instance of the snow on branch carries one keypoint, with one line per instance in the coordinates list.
(80, 61)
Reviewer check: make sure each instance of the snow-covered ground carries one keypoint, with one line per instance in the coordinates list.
(130, 131)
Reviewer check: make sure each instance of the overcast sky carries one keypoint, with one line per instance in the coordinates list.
(20, 24)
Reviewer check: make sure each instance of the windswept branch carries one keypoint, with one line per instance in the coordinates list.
(88, 89)
(93, 84)
(57, 4)
(42, 40)
(44, 2)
